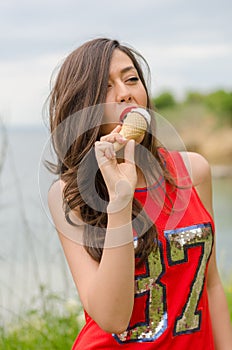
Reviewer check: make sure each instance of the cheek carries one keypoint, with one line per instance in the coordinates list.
(107, 112)
(143, 98)
(111, 113)
(109, 97)
(109, 121)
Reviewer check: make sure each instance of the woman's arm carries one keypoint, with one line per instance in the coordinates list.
(106, 289)
(220, 317)
(222, 330)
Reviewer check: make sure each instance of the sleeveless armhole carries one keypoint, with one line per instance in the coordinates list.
(186, 179)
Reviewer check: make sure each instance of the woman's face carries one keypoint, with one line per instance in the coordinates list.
(125, 90)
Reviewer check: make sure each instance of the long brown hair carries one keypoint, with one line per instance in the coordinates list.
(81, 83)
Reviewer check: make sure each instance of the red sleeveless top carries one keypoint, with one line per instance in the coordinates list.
(171, 304)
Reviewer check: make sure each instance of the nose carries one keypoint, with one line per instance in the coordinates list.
(123, 94)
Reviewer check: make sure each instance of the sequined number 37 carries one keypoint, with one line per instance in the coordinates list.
(151, 291)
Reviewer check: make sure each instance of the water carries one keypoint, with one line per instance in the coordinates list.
(30, 252)
(222, 199)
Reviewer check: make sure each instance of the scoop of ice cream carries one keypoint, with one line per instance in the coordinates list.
(134, 126)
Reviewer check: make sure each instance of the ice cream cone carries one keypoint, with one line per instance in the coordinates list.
(134, 126)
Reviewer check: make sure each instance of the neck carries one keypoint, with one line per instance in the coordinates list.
(141, 181)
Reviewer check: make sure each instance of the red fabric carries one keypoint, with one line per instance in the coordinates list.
(179, 284)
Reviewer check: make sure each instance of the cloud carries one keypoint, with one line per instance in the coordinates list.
(31, 28)
(185, 67)
(187, 43)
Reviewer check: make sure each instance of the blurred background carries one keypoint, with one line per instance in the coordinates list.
(188, 47)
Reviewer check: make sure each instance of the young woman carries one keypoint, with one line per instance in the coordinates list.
(136, 226)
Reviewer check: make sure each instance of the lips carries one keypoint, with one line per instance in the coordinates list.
(125, 111)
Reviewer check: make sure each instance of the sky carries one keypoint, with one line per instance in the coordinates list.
(187, 43)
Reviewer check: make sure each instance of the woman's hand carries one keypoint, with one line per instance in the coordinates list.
(120, 178)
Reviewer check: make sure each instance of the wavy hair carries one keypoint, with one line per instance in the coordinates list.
(82, 83)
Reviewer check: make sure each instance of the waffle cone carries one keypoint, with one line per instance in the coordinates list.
(133, 127)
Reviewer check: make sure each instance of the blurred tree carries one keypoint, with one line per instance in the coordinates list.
(194, 97)
(164, 100)
(220, 101)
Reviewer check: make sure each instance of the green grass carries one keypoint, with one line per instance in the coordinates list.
(54, 325)
(228, 291)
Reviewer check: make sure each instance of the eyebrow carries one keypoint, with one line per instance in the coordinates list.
(127, 69)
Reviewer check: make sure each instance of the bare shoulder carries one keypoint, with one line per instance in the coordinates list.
(56, 207)
(71, 238)
(55, 191)
(198, 167)
(200, 173)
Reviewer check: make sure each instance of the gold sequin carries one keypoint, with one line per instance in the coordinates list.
(153, 319)
(180, 240)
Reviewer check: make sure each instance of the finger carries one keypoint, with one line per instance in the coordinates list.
(113, 138)
(109, 153)
(108, 138)
(104, 151)
(114, 131)
(117, 129)
(129, 152)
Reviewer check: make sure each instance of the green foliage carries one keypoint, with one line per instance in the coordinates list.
(194, 97)
(54, 325)
(221, 102)
(228, 291)
(164, 100)
(218, 103)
